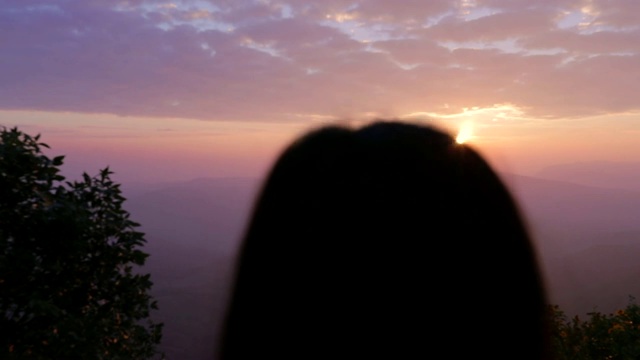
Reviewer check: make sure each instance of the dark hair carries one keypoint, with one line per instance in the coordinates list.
(389, 240)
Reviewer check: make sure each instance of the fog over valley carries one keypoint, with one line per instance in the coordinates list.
(587, 238)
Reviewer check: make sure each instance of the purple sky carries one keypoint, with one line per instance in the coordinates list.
(540, 82)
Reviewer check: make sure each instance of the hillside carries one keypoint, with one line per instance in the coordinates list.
(588, 239)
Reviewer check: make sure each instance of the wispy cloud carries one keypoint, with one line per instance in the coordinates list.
(264, 60)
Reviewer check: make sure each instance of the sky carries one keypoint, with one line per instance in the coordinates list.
(174, 90)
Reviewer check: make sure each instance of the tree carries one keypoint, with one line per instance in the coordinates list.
(71, 286)
(614, 336)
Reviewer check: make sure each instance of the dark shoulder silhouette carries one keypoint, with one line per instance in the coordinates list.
(388, 240)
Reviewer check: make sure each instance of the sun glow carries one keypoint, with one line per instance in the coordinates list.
(464, 133)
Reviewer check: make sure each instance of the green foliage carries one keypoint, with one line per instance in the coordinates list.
(70, 282)
(614, 336)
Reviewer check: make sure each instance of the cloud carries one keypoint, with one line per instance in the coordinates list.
(601, 42)
(496, 26)
(618, 13)
(410, 11)
(277, 60)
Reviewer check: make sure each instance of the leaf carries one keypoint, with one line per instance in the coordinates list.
(58, 160)
(59, 262)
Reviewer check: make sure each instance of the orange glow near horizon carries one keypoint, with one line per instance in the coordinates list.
(167, 149)
(148, 149)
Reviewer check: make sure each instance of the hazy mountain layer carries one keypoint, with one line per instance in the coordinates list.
(588, 239)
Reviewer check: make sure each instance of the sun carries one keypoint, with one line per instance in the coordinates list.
(464, 133)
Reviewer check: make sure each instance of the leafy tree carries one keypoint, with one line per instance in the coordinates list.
(614, 336)
(70, 280)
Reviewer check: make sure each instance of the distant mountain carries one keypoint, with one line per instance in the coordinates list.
(601, 277)
(585, 213)
(608, 174)
(208, 213)
(588, 239)
(193, 230)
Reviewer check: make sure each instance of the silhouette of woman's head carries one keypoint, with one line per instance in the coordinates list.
(387, 240)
